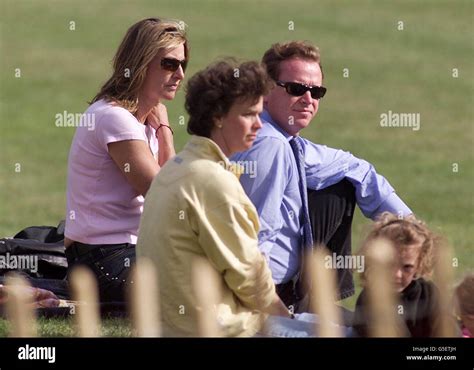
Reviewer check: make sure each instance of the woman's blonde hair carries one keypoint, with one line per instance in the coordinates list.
(140, 45)
(403, 232)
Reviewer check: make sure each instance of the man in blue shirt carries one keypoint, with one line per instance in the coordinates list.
(285, 163)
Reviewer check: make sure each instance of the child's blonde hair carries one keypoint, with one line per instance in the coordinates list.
(401, 232)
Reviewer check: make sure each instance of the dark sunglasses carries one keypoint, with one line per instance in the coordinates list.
(172, 65)
(297, 89)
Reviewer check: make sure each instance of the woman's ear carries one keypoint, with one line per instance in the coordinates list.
(218, 121)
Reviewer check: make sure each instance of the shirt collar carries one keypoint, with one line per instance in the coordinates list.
(265, 117)
(208, 149)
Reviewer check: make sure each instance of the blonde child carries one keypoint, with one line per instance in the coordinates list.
(464, 301)
(414, 247)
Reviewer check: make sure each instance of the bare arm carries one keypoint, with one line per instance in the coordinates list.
(134, 157)
(136, 162)
(277, 308)
(165, 145)
(157, 118)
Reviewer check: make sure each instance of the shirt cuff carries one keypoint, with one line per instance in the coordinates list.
(393, 204)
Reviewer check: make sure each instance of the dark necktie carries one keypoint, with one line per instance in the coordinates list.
(303, 282)
(299, 156)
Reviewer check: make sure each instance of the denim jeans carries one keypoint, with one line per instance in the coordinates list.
(303, 325)
(110, 264)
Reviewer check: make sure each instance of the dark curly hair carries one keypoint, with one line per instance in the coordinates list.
(210, 93)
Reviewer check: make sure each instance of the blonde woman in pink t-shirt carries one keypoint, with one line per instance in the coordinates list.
(115, 156)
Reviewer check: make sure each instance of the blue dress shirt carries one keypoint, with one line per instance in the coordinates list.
(274, 190)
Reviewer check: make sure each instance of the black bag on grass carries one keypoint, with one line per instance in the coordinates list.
(37, 251)
(44, 245)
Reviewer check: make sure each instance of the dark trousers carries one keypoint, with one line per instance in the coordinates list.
(110, 263)
(331, 211)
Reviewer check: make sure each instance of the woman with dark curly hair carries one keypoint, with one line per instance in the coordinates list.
(196, 207)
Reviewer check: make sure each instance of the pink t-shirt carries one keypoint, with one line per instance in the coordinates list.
(102, 207)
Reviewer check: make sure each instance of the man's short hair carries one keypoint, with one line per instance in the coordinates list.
(288, 50)
(211, 92)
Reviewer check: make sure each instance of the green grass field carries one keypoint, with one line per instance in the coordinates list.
(407, 71)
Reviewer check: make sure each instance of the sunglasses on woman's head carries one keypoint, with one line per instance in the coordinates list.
(298, 89)
(172, 65)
